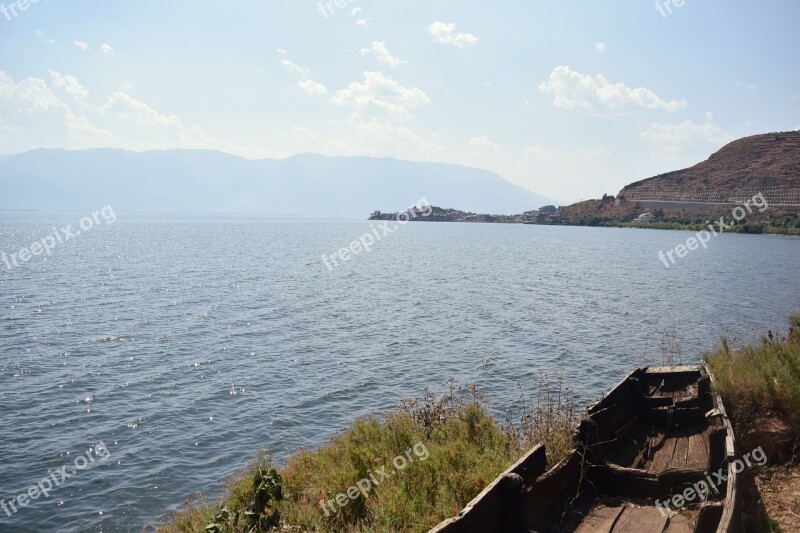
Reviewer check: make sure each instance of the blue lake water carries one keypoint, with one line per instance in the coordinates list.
(135, 334)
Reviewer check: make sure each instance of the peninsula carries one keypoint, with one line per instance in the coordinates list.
(763, 168)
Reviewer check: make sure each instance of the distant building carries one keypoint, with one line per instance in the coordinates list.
(644, 218)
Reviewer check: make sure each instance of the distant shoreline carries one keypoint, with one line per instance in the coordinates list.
(552, 216)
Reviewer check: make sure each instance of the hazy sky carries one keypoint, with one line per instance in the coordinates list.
(568, 99)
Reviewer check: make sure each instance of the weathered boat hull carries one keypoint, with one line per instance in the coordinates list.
(655, 454)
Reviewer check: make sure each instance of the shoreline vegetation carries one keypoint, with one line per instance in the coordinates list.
(784, 222)
(466, 448)
(760, 387)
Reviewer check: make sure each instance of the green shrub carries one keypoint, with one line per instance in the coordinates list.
(760, 378)
(465, 450)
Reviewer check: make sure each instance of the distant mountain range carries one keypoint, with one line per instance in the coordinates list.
(201, 181)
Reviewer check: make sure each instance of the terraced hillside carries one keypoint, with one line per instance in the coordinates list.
(769, 164)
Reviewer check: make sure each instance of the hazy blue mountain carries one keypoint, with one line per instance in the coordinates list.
(203, 181)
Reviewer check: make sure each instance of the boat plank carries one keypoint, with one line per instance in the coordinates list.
(681, 451)
(686, 369)
(639, 519)
(629, 452)
(663, 456)
(601, 519)
(553, 488)
(678, 524)
(697, 457)
(654, 443)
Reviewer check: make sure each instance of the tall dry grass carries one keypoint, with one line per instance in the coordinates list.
(466, 450)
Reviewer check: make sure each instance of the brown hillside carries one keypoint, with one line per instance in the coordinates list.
(769, 164)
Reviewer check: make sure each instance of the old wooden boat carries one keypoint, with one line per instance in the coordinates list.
(656, 454)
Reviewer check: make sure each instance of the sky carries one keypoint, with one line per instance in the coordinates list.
(567, 99)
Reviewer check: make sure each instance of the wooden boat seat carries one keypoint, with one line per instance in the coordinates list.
(602, 514)
(655, 451)
(593, 514)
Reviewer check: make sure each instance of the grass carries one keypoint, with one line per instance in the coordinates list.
(551, 419)
(758, 381)
(778, 230)
(761, 378)
(466, 448)
(776, 227)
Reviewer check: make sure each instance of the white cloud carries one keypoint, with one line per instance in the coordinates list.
(483, 144)
(303, 132)
(673, 142)
(294, 67)
(361, 22)
(308, 85)
(281, 51)
(557, 171)
(686, 132)
(382, 54)
(600, 46)
(380, 93)
(375, 138)
(487, 154)
(356, 11)
(78, 125)
(562, 156)
(445, 33)
(129, 108)
(574, 90)
(44, 39)
(313, 88)
(562, 171)
(747, 86)
(31, 95)
(160, 131)
(69, 83)
(36, 116)
(82, 45)
(106, 48)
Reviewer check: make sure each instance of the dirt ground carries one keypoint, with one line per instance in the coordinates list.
(780, 492)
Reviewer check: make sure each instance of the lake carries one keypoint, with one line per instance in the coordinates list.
(186, 343)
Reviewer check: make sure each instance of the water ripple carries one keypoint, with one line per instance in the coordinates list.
(186, 344)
